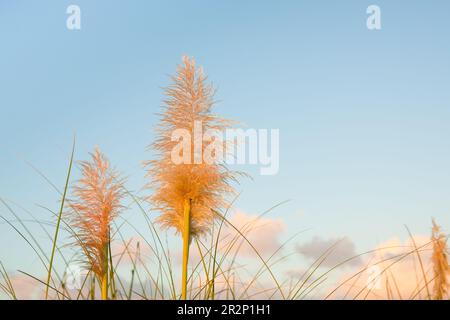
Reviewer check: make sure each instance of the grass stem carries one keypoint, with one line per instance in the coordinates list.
(186, 243)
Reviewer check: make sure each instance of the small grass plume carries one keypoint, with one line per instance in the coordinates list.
(187, 193)
(97, 201)
(440, 263)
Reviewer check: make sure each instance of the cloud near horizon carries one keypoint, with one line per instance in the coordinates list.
(391, 271)
(340, 249)
(263, 233)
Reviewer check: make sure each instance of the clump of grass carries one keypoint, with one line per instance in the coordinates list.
(97, 201)
(187, 193)
(439, 259)
(192, 200)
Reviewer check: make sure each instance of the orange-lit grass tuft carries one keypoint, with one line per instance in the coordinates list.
(186, 194)
(97, 201)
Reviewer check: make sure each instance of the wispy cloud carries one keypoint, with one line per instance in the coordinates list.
(339, 250)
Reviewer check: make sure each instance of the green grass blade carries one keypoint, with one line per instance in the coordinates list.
(59, 221)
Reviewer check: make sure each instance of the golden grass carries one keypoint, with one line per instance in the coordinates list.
(189, 100)
(186, 194)
(96, 203)
(439, 259)
(192, 200)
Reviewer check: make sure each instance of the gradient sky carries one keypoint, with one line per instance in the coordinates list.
(363, 115)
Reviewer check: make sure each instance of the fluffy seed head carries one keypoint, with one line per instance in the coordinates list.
(96, 202)
(189, 101)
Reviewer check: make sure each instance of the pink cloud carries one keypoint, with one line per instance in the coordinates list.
(25, 287)
(263, 233)
(392, 271)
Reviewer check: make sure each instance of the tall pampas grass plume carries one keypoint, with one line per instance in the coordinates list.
(187, 193)
(440, 263)
(96, 203)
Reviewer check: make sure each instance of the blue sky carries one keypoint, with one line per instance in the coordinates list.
(363, 115)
